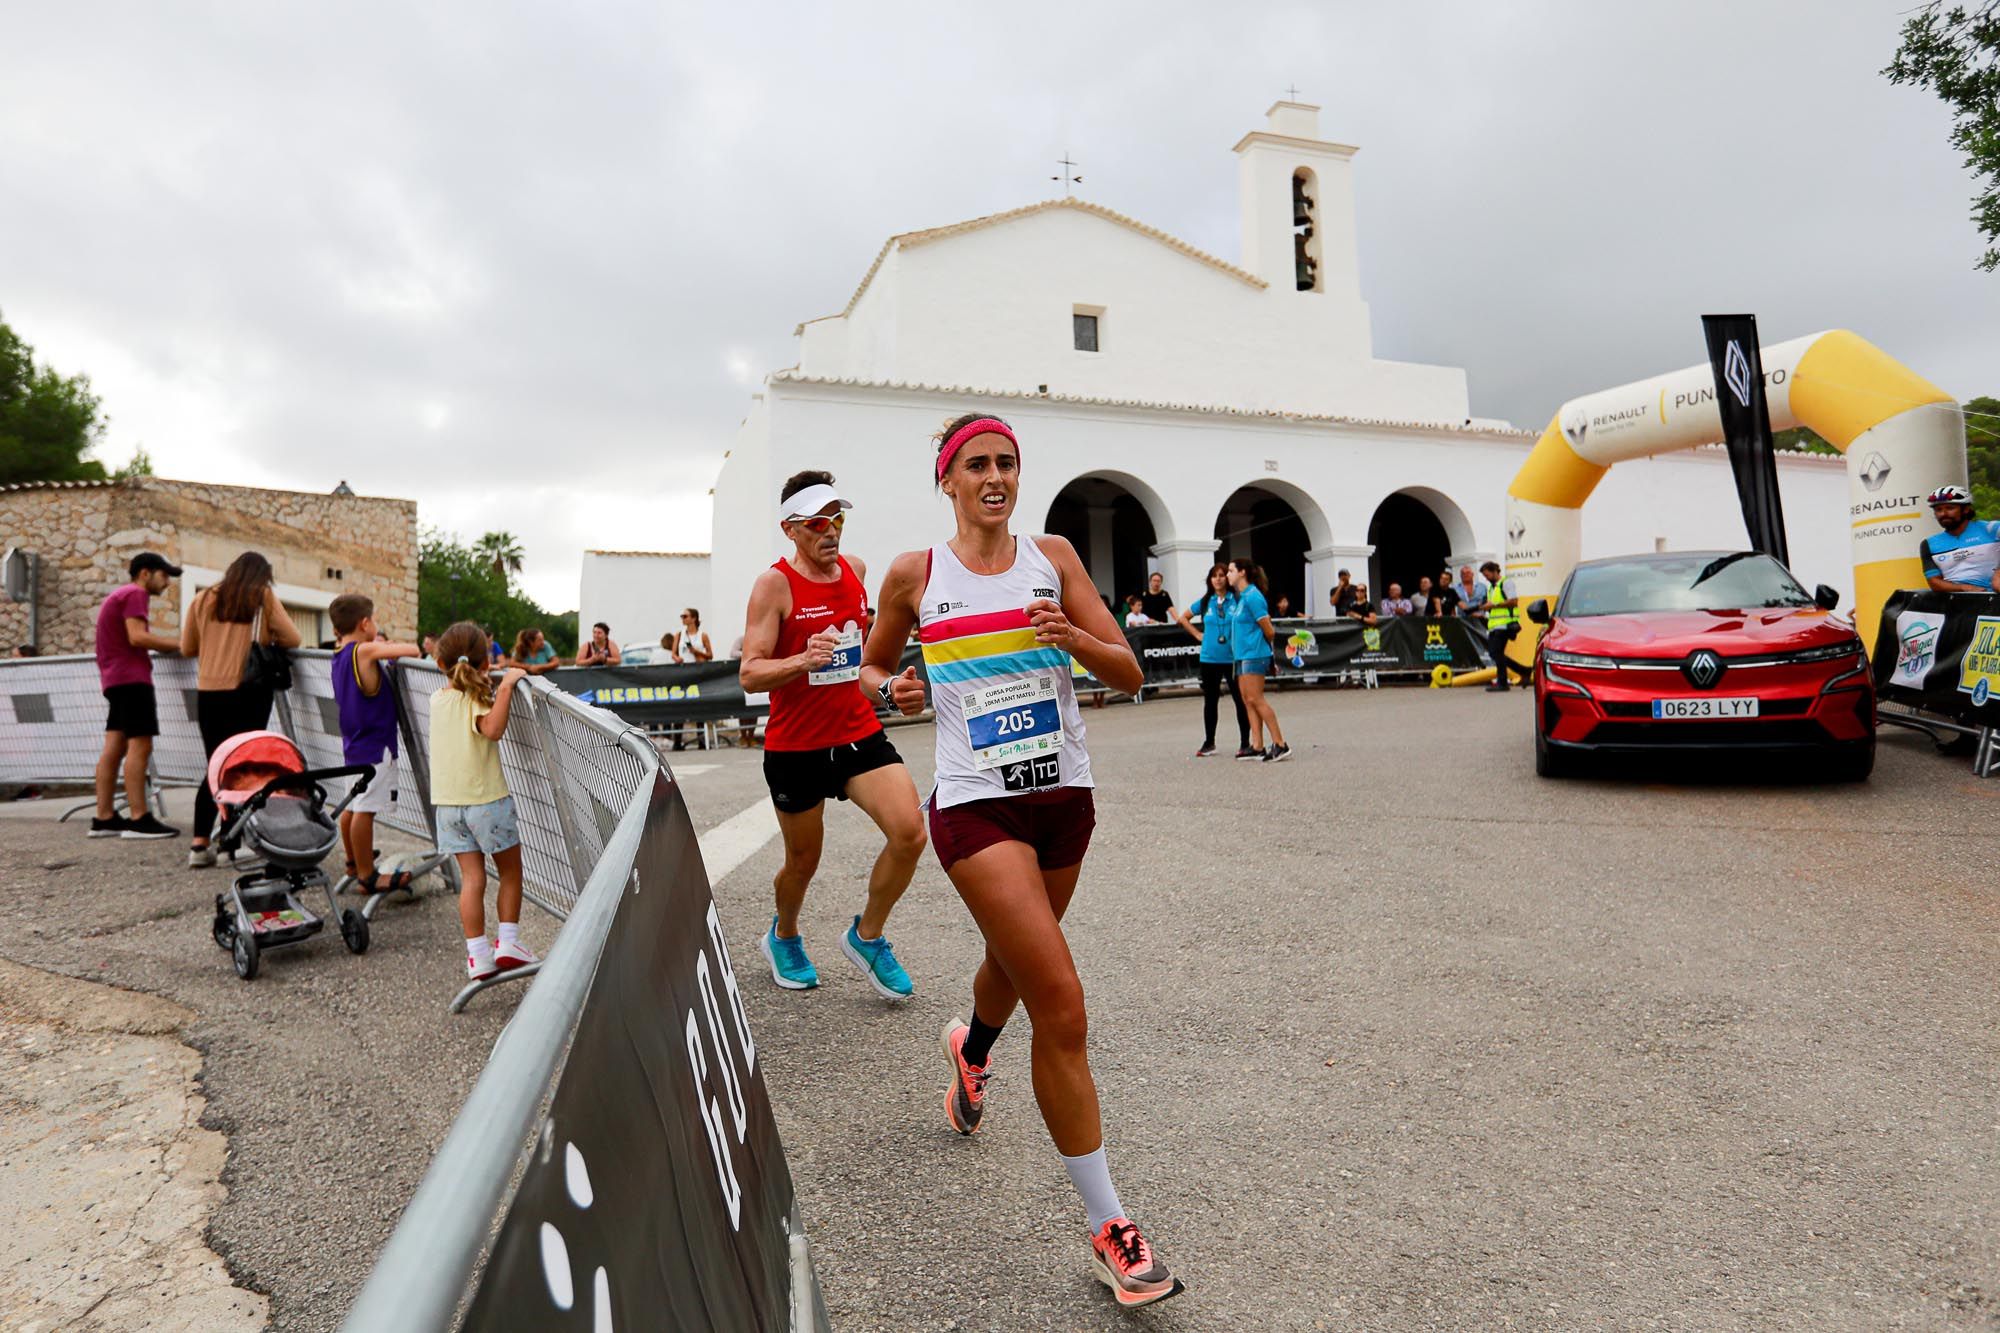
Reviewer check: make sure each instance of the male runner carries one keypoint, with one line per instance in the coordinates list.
(1965, 557)
(802, 645)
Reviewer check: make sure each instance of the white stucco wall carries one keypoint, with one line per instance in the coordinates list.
(991, 307)
(1183, 467)
(641, 595)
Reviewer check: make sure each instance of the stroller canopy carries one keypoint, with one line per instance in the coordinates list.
(269, 749)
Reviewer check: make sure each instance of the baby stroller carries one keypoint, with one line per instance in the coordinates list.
(275, 807)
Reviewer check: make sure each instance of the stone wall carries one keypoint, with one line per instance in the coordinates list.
(86, 532)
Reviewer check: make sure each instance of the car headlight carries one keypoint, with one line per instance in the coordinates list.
(1579, 660)
(1828, 654)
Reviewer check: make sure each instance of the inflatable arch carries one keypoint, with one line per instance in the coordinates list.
(1902, 437)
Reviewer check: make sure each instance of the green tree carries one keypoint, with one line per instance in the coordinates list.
(460, 582)
(139, 465)
(1982, 453)
(48, 422)
(1955, 52)
(503, 551)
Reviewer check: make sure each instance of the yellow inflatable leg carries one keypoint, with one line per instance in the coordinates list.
(1479, 677)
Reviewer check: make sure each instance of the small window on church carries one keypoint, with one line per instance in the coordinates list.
(1086, 332)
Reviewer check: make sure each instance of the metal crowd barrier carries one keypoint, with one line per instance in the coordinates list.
(624, 1050)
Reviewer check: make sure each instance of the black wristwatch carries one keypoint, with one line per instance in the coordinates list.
(888, 682)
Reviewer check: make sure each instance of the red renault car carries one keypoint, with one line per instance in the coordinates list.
(1699, 651)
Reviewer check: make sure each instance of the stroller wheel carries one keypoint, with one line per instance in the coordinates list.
(224, 930)
(354, 931)
(245, 951)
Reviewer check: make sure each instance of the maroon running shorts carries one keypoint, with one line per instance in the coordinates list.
(1056, 824)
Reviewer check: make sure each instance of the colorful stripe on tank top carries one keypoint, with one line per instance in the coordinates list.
(996, 643)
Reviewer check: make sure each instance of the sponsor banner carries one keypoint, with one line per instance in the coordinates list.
(657, 1194)
(1316, 649)
(1322, 649)
(670, 692)
(1738, 365)
(1941, 651)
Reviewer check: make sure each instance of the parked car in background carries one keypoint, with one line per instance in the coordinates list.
(1704, 652)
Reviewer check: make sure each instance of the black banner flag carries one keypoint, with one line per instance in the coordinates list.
(1738, 363)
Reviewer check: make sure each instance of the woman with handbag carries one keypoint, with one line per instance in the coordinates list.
(239, 631)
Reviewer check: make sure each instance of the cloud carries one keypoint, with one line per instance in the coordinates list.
(526, 263)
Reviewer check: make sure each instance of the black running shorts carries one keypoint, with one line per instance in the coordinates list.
(800, 779)
(132, 710)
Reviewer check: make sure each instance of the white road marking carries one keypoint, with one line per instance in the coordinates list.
(737, 839)
(691, 770)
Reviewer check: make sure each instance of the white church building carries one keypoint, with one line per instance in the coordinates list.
(1176, 408)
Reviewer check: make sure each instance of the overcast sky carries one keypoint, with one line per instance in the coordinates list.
(526, 262)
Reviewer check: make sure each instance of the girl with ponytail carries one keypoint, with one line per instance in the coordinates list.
(475, 812)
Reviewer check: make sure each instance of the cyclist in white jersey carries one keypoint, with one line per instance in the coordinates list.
(1000, 618)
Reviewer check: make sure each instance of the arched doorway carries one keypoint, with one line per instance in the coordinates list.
(1111, 528)
(1414, 532)
(1259, 523)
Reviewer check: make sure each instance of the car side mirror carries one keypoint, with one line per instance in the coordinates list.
(1826, 598)
(1538, 611)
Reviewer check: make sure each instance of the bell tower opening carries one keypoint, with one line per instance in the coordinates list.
(1305, 217)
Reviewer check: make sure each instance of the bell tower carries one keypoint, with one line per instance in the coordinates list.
(1297, 196)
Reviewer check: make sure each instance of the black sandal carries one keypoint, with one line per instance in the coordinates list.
(373, 885)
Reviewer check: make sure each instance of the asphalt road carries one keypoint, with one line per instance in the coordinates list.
(1394, 1036)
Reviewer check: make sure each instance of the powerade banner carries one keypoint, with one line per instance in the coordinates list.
(1738, 365)
(1941, 651)
(657, 1196)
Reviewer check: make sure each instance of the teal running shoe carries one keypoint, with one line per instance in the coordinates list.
(877, 962)
(786, 954)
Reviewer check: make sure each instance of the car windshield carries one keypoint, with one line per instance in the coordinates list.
(1739, 582)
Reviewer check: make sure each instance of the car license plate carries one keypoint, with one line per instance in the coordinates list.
(1676, 710)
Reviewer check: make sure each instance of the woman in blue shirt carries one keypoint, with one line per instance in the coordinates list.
(1250, 636)
(1215, 607)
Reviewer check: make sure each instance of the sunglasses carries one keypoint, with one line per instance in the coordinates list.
(823, 523)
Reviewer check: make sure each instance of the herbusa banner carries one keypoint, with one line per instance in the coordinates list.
(1941, 651)
(670, 692)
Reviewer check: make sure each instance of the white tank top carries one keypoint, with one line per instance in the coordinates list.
(1007, 721)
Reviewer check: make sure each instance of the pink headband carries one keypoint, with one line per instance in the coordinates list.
(983, 426)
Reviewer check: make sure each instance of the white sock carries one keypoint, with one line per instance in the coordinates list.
(1092, 1178)
(510, 932)
(479, 950)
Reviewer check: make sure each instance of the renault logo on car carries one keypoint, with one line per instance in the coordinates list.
(1703, 669)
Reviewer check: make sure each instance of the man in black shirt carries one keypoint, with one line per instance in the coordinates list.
(1156, 601)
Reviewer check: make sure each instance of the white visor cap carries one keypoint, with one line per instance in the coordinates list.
(808, 502)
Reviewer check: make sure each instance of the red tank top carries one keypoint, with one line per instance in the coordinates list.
(824, 708)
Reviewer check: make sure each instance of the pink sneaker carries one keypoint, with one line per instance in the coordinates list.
(506, 956)
(477, 971)
(965, 1099)
(1124, 1262)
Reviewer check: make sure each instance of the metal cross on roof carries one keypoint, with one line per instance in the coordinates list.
(1066, 178)
(1292, 94)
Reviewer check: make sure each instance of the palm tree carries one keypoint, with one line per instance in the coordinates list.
(503, 551)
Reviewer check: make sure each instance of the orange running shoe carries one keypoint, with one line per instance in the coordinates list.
(965, 1099)
(1124, 1262)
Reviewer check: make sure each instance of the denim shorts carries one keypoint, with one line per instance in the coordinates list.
(485, 828)
(1253, 666)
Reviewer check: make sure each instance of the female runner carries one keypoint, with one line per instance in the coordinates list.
(1000, 618)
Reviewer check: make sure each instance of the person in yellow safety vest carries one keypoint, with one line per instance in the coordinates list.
(1503, 622)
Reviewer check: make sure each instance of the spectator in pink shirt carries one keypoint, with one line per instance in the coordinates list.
(125, 673)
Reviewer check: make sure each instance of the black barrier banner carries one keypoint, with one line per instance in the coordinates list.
(670, 692)
(1941, 651)
(1322, 648)
(657, 1196)
(1738, 364)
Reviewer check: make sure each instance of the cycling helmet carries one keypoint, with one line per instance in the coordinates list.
(1950, 495)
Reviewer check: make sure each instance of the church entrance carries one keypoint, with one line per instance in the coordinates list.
(1413, 532)
(1258, 524)
(1111, 531)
